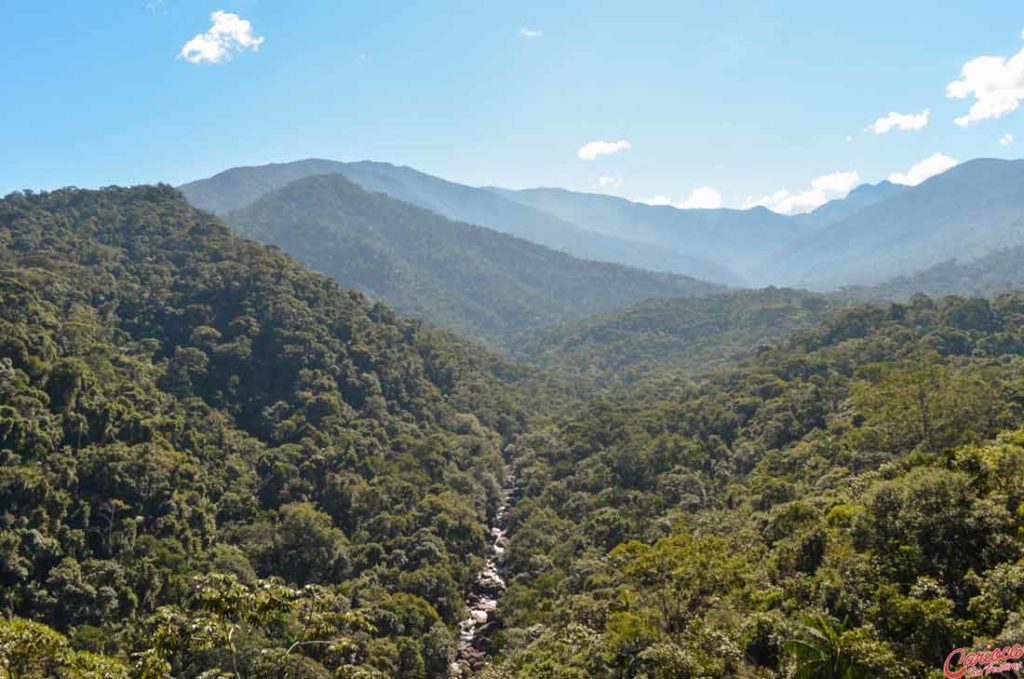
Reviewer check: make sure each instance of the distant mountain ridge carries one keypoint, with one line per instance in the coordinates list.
(736, 238)
(985, 276)
(238, 187)
(859, 198)
(486, 284)
(876, 233)
(970, 210)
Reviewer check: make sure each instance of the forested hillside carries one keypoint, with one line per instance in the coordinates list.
(215, 463)
(846, 505)
(241, 186)
(985, 276)
(690, 337)
(486, 284)
(867, 237)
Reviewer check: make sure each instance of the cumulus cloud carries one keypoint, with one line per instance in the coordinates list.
(901, 121)
(837, 182)
(593, 149)
(531, 33)
(609, 182)
(996, 83)
(823, 189)
(1006, 139)
(229, 33)
(701, 198)
(929, 167)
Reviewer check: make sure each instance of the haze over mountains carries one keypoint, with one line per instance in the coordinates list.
(483, 283)
(875, 233)
(737, 239)
(238, 187)
(968, 211)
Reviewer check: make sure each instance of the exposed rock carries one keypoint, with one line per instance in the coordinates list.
(475, 632)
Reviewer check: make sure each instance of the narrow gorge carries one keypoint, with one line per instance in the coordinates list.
(484, 619)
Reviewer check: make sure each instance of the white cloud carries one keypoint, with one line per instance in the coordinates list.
(531, 33)
(929, 167)
(702, 197)
(837, 182)
(996, 83)
(609, 182)
(229, 33)
(902, 121)
(1006, 139)
(823, 189)
(593, 149)
(786, 202)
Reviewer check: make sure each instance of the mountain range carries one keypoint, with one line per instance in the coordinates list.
(875, 233)
(238, 187)
(737, 239)
(215, 462)
(483, 283)
(968, 211)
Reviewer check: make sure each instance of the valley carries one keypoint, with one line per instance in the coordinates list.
(530, 340)
(198, 432)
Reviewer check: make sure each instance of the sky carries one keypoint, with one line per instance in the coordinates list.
(698, 104)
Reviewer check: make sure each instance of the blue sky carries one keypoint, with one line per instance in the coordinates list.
(744, 98)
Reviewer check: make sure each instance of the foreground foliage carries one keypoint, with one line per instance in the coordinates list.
(848, 504)
(213, 461)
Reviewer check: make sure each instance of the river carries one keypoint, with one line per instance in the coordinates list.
(476, 630)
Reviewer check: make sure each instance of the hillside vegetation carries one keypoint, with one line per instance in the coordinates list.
(984, 276)
(691, 337)
(873, 234)
(241, 186)
(848, 504)
(485, 284)
(214, 462)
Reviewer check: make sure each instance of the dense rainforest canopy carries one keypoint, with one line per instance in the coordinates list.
(851, 499)
(691, 336)
(215, 463)
(213, 459)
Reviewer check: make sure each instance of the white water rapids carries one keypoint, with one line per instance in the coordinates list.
(476, 630)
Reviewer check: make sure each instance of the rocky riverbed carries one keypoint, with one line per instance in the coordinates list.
(484, 620)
